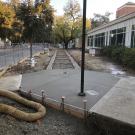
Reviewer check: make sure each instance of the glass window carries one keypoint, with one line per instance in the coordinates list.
(100, 40)
(117, 37)
(133, 27)
(90, 41)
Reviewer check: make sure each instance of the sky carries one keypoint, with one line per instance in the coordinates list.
(93, 6)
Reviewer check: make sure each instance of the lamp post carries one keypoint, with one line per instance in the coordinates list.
(82, 93)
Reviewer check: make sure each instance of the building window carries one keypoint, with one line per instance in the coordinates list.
(90, 41)
(106, 38)
(117, 37)
(100, 40)
(133, 37)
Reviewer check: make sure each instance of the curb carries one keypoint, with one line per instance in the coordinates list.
(4, 71)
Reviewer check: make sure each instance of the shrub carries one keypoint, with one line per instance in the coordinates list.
(107, 51)
(129, 57)
(122, 55)
(117, 54)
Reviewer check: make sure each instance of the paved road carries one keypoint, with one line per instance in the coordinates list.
(13, 55)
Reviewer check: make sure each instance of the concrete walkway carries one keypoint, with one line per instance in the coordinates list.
(11, 82)
(57, 83)
(62, 60)
(119, 102)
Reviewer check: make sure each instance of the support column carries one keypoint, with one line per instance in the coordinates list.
(128, 36)
(108, 38)
(93, 40)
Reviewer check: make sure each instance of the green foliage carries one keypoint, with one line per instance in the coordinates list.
(107, 51)
(6, 20)
(37, 21)
(17, 28)
(121, 55)
(117, 54)
(62, 30)
(129, 58)
(68, 26)
(99, 19)
(26, 21)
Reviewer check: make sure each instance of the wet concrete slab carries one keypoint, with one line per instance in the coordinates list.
(119, 102)
(66, 82)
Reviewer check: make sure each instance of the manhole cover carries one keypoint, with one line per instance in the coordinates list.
(92, 92)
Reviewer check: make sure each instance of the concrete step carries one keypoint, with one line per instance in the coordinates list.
(116, 110)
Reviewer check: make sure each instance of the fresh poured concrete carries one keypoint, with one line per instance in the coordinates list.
(66, 82)
(119, 102)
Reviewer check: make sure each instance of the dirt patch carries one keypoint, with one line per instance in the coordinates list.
(102, 64)
(54, 123)
(42, 60)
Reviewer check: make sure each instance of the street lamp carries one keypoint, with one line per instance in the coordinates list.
(83, 50)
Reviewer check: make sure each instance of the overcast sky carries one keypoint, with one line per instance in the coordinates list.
(93, 6)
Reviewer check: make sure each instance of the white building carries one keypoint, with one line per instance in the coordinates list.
(118, 32)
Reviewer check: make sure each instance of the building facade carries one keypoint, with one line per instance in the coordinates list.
(125, 9)
(120, 32)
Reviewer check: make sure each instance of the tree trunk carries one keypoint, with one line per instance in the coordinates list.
(5, 44)
(66, 46)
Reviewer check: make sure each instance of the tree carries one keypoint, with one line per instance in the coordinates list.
(15, 3)
(68, 26)
(7, 15)
(17, 30)
(34, 22)
(99, 19)
(73, 16)
(62, 30)
(47, 15)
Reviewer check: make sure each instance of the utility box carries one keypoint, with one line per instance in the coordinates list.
(95, 51)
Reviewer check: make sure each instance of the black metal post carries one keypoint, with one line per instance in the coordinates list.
(31, 49)
(83, 49)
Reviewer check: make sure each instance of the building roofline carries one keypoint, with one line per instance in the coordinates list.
(126, 4)
(118, 20)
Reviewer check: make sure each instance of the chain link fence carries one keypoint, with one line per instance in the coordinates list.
(13, 54)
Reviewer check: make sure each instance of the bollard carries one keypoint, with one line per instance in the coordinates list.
(43, 97)
(62, 103)
(85, 109)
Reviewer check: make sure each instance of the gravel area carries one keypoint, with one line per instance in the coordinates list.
(54, 123)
